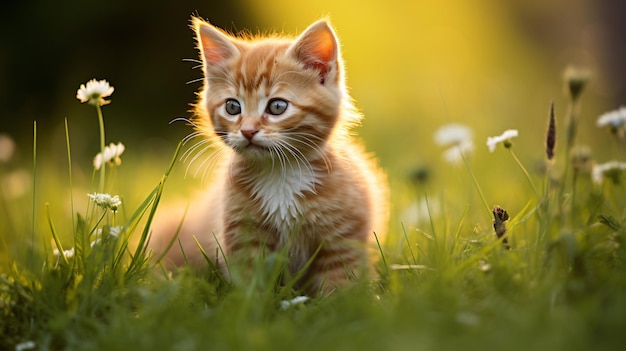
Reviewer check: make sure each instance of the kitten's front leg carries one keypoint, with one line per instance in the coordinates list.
(246, 244)
(336, 265)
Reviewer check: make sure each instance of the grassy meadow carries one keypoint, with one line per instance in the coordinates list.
(519, 247)
(460, 273)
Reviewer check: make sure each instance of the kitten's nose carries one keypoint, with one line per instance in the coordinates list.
(249, 133)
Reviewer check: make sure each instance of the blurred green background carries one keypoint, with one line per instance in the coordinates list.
(412, 66)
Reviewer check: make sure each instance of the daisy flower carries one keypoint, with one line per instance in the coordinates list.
(94, 92)
(285, 304)
(455, 154)
(453, 134)
(611, 169)
(110, 155)
(67, 253)
(26, 345)
(458, 137)
(503, 138)
(614, 119)
(106, 201)
(114, 231)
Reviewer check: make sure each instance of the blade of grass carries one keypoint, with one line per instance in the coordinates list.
(69, 169)
(213, 265)
(55, 236)
(32, 238)
(382, 254)
(408, 244)
(174, 238)
(140, 252)
(459, 227)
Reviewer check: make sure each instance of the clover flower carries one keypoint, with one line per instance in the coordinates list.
(94, 92)
(502, 138)
(106, 201)
(611, 169)
(111, 155)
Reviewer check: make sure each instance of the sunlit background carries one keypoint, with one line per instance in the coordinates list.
(412, 66)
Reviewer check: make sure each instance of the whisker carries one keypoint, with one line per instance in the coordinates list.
(311, 145)
(194, 81)
(298, 156)
(211, 164)
(190, 136)
(194, 148)
(207, 162)
(194, 158)
(192, 60)
(183, 119)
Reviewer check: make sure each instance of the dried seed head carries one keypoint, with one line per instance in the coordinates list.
(575, 79)
(551, 134)
(499, 217)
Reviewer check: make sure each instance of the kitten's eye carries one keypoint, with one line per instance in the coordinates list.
(277, 107)
(233, 107)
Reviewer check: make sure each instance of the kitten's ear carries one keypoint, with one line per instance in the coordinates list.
(214, 44)
(317, 48)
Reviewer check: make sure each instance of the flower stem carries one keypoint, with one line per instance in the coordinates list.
(103, 166)
(480, 192)
(526, 174)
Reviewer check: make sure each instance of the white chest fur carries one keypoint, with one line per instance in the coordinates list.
(281, 192)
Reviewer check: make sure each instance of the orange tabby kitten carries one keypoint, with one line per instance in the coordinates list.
(291, 177)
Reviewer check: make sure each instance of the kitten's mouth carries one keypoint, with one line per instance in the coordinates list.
(254, 147)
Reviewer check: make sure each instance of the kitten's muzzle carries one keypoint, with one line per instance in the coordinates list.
(249, 133)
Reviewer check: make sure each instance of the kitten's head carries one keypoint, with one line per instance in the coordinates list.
(273, 97)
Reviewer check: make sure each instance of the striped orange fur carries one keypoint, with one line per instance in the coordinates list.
(290, 176)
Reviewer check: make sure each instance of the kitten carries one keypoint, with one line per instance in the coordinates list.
(291, 178)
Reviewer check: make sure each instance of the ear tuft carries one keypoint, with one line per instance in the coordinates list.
(214, 44)
(317, 48)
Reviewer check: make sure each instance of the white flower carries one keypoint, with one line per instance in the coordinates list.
(611, 168)
(507, 135)
(453, 134)
(114, 231)
(67, 253)
(456, 153)
(285, 304)
(459, 137)
(26, 345)
(94, 92)
(106, 201)
(110, 155)
(614, 119)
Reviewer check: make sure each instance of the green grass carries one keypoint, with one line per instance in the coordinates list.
(444, 282)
